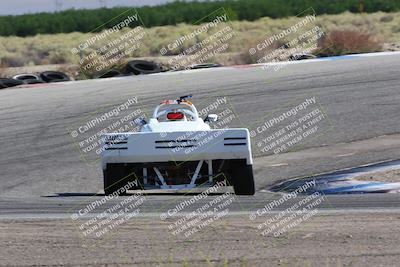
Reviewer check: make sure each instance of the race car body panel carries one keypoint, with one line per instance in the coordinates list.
(177, 149)
(177, 146)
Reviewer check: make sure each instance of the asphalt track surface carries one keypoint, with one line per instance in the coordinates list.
(43, 171)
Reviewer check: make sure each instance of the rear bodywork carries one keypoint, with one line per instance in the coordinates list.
(152, 151)
(175, 150)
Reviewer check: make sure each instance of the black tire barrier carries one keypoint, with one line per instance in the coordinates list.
(142, 67)
(23, 77)
(28, 78)
(302, 56)
(205, 66)
(6, 83)
(32, 81)
(110, 73)
(54, 76)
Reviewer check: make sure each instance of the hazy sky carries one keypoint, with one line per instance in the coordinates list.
(15, 7)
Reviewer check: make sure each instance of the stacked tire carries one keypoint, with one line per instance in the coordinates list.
(54, 76)
(7, 83)
(142, 67)
(205, 66)
(28, 78)
(110, 74)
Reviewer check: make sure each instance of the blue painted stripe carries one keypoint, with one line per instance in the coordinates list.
(337, 57)
(355, 188)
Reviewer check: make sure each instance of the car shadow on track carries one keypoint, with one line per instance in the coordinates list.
(130, 193)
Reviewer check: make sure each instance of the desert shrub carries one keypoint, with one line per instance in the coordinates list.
(348, 42)
(58, 57)
(12, 61)
(396, 28)
(267, 54)
(387, 18)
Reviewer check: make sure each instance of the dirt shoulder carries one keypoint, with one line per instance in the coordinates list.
(392, 176)
(368, 239)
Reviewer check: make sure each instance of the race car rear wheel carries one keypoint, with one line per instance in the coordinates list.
(116, 179)
(242, 178)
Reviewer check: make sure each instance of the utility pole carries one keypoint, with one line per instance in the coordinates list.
(361, 6)
(103, 3)
(58, 4)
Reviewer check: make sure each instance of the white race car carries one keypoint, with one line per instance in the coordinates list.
(177, 149)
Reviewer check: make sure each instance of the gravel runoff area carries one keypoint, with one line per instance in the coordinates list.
(361, 239)
(392, 176)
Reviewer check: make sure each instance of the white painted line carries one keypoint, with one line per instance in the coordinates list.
(321, 211)
(278, 164)
(344, 155)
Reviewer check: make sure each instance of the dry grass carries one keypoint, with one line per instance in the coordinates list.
(55, 49)
(346, 42)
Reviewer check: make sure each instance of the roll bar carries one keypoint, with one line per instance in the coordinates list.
(193, 111)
